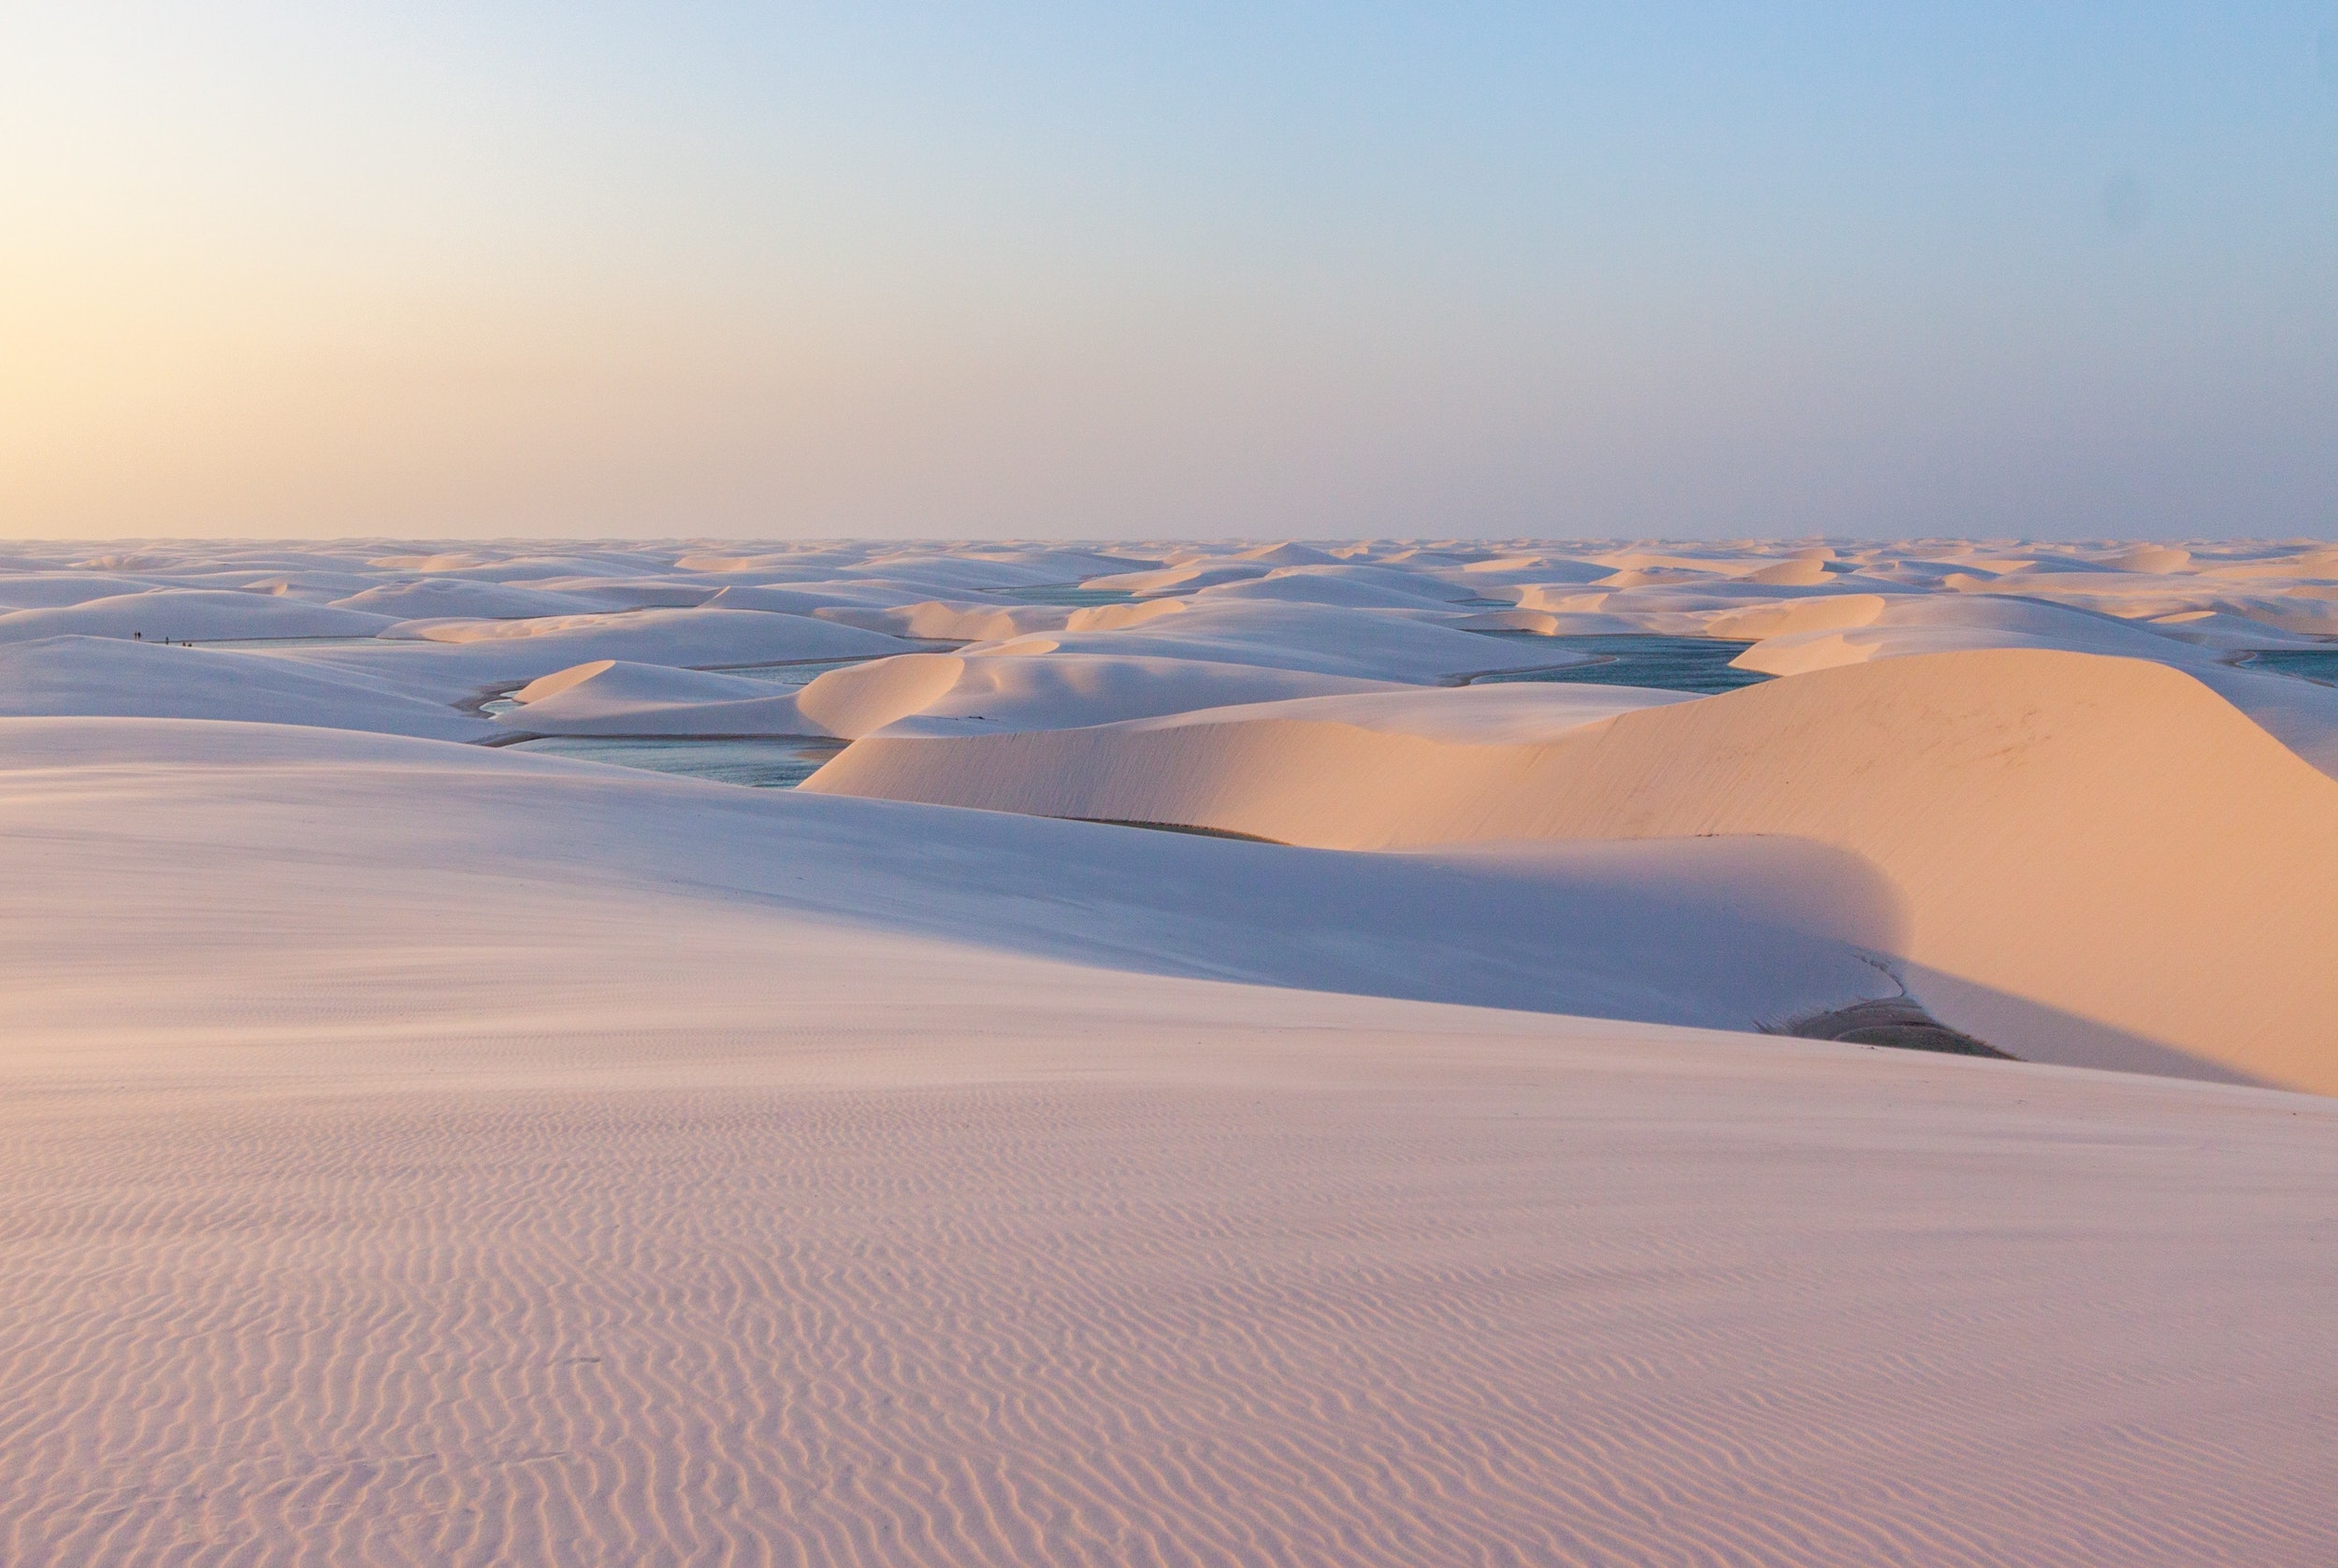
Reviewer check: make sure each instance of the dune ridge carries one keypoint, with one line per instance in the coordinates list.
(2057, 823)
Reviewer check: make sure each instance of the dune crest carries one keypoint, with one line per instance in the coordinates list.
(547, 687)
(852, 702)
(1832, 612)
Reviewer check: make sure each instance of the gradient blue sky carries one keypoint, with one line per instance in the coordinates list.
(1368, 269)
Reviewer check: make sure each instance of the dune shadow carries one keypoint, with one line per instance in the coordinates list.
(2032, 1031)
(1717, 933)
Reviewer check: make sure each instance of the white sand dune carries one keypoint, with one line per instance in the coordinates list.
(807, 600)
(660, 591)
(679, 636)
(1507, 714)
(414, 1152)
(1058, 690)
(955, 621)
(382, 1187)
(41, 590)
(1355, 587)
(1706, 933)
(1404, 619)
(969, 569)
(64, 676)
(530, 567)
(188, 614)
(612, 697)
(905, 694)
(1192, 577)
(1487, 577)
(2301, 715)
(1325, 639)
(1796, 617)
(460, 598)
(2054, 826)
(1821, 634)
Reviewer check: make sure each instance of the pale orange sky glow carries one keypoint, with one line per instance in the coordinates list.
(718, 270)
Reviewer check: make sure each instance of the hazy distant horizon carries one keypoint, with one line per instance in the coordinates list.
(722, 271)
(1550, 543)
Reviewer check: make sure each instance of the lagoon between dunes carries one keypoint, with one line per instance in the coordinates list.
(698, 1052)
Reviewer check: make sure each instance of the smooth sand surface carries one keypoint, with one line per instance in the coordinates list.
(111, 676)
(2202, 643)
(183, 614)
(694, 635)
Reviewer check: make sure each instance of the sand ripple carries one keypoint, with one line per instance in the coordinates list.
(1594, 1319)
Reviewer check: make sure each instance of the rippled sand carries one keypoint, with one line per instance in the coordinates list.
(381, 1181)
(1377, 1290)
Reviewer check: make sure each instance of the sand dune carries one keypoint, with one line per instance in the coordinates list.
(64, 676)
(1358, 586)
(35, 589)
(1409, 614)
(483, 1203)
(188, 614)
(1319, 639)
(2302, 715)
(455, 599)
(681, 637)
(1794, 617)
(1693, 933)
(907, 694)
(420, 1152)
(937, 620)
(614, 696)
(2055, 824)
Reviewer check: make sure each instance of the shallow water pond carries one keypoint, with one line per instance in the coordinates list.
(1676, 664)
(2312, 663)
(1070, 595)
(787, 677)
(759, 764)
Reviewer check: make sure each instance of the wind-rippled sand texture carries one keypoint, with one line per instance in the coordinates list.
(419, 1155)
(1679, 1299)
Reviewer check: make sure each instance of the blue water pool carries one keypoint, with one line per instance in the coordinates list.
(2311, 664)
(1070, 595)
(1677, 664)
(759, 764)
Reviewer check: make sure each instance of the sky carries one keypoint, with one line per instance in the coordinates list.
(1207, 270)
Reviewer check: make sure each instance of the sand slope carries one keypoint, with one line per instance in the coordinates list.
(2300, 713)
(396, 1167)
(2059, 827)
(905, 694)
(686, 637)
(1707, 933)
(66, 676)
(196, 614)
